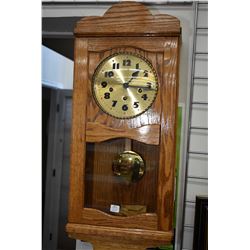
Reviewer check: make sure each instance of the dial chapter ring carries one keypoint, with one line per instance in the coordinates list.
(136, 90)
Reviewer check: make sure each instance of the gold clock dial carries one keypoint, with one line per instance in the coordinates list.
(125, 85)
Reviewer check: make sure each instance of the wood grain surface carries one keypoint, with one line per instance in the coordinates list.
(96, 217)
(149, 44)
(77, 159)
(116, 236)
(146, 134)
(98, 137)
(128, 19)
(165, 196)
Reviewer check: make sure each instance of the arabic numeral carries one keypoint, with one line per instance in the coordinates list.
(124, 107)
(126, 62)
(149, 85)
(144, 97)
(104, 84)
(145, 73)
(109, 74)
(106, 95)
(114, 103)
(116, 65)
(136, 104)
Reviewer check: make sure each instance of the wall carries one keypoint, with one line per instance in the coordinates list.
(57, 70)
(197, 158)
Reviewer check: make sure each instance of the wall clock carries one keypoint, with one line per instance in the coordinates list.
(123, 128)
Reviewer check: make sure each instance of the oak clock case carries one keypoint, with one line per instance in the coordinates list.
(123, 128)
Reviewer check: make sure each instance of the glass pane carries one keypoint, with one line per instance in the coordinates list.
(134, 190)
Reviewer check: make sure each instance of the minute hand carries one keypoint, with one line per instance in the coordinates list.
(148, 85)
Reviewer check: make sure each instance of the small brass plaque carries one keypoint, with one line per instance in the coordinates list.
(129, 210)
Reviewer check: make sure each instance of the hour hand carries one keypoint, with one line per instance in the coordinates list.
(135, 74)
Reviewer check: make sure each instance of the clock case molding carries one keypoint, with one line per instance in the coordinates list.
(125, 27)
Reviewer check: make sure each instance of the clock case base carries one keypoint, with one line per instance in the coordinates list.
(104, 238)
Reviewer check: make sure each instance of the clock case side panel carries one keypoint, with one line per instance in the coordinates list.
(170, 90)
(78, 146)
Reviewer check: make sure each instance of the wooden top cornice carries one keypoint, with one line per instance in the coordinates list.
(126, 19)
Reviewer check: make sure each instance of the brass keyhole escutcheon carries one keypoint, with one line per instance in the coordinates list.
(129, 165)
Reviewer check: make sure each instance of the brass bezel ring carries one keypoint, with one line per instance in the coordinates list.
(98, 68)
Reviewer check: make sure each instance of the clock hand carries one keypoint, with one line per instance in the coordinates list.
(134, 75)
(148, 85)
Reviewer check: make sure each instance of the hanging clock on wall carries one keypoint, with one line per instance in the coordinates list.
(123, 130)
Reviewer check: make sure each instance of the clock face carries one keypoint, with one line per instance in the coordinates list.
(125, 85)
